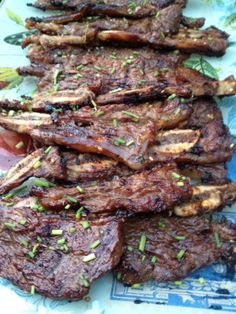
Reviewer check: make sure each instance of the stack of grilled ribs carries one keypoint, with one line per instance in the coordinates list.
(130, 150)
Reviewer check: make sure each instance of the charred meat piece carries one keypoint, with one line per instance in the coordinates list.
(206, 174)
(134, 76)
(56, 256)
(160, 33)
(169, 249)
(154, 190)
(40, 163)
(208, 198)
(122, 8)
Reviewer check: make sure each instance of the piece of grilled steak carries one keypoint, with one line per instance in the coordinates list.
(169, 249)
(56, 256)
(155, 190)
(40, 163)
(122, 8)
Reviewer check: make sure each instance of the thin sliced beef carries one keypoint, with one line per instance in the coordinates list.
(40, 163)
(155, 190)
(123, 8)
(169, 249)
(35, 259)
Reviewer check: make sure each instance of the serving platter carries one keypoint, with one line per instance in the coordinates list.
(218, 292)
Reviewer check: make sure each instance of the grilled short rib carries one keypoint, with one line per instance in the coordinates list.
(169, 249)
(54, 255)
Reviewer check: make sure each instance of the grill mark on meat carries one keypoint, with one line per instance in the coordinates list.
(153, 190)
(199, 247)
(54, 271)
(50, 167)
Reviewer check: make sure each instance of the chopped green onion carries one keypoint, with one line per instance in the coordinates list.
(31, 254)
(43, 183)
(118, 276)
(217, 239)
(180, 183)
(136, 53)
(39, 239)
(84, 281)
(161, 224)
(35, 247)
(95, 244)
(131, 115)
(10, 195)
(201, 281)
(178, 283)
(177, 111)
(85, 224)
(22, 222)
(79, 67)
(61, 241)
(48, 150)
(11, 113)
(180, 238)
(119, 141)
(24, 243)
(94, 105)
(78, 213)
(131, 142)
(136, 286)
(89, 258)
(67, 206)
(56, 232)
(20, 145)
(65, 248)
(97, 68)
(81, 190)
(115, 123)
(143, 258)
(142, 243)
(100, 113)
(32, 290)
(72, 229)
(180, 254)
(71, 199)
(129, 248)
(154, 260)
(10, 204)
(175, 175)
(171, 97)
(9, 225)
(37, 165)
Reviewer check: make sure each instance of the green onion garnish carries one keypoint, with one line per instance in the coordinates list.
(79, 67)
(48, 150)
(81, 190)
(175, 175)
(95, 244)
(20, 145)
(178, 283)
(119, 141)
(180, 183)
(9, 225)
(37, 165)
(78, 213)
(142, 243)
(43, 183)
(61, 241)
(201, 281)
(97, 68)
(131, 142)
(115, 123)
(84, 281)
(22, 222)
(72, 229)
(154, 260)
(31, 254)
(100, 113)
(129, 248)
(24, 243)
(32, 290)
(94, 105)
(131, 115)
(180, 254)
(89, 258)
(67, 206)
(143, 258)
(136, 286)
(71, 199)
(56, 232)
(39, 239)
(180, 238)
(118, 276)
(171, 97)
(217, 239)
(85, 224)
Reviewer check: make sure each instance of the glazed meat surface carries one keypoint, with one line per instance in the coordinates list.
(169, 249)
(52, 253)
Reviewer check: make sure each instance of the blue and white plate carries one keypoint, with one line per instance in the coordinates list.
(107, 295)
